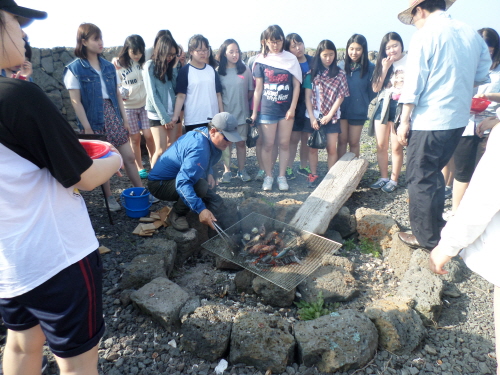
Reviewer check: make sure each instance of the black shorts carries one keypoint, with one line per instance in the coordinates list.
(328, 128)
(298, 124)
(68, 308)
(467, 155)
(355, 122)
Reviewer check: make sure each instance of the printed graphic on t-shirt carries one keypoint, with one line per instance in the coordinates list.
(278, 88)
(125, 73)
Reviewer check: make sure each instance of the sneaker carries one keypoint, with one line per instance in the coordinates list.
(233, 167)
(113, 204)
(448, 191)
(178, 222)
(389, 187)
(268, 183)
(260, 175)
(143, 173)
(245, 177)
(45, 363)
(226, 178)
(379, 184)
(153, 199)
(312, 180)
(289, 173)
(306, 171)
(282, 184)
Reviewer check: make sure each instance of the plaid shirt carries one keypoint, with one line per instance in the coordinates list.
(330, 88)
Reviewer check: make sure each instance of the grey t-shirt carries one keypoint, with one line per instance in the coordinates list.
(235, 89)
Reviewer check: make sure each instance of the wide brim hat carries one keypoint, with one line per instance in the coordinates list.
(227, 124)
(26, 15)
(406, 16)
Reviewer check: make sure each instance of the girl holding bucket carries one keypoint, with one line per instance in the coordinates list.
(92, 85)
(51, 278)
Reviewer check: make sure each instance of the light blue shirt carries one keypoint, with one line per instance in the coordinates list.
(446, 59)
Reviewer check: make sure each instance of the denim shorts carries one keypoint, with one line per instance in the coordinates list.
(270, 119)
(393, 104)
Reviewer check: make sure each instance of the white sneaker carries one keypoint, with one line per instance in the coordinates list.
(113, 204)
(226, 178)
(268, 183)
(282, 184)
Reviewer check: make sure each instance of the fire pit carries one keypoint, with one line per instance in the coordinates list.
(273, 250)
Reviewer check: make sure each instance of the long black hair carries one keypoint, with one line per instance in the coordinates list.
(273, 32)
(163, 46)
(361, 40)
(240, 67)
(382, 54)
(492, 40)
(137, 45)
(317, 65)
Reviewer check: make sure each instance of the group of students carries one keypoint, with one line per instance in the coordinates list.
(283, 91)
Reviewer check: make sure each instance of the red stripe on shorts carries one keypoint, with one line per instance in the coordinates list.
(91, 297)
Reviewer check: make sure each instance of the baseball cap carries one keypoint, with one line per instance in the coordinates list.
(227, 124)
(26, 15)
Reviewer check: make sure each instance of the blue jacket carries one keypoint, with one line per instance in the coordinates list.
(190, 158)
(355, 106)
(158, 92)
(91, 92)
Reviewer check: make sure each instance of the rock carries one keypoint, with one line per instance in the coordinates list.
(45, 81)
(48, 64)
(334, 236)
(263, 341)
(243, 281)
(35, 58)
(336, 342)
(188, 244)
(400, 329)
(424, 288)
(161, 246)
(189, 307)
(227, 215)
(162, 300)
(335, 283)
(224, 264)
(375, 226)
(398, 257)
(125, 297)
(336, 261)
(142, 270)
(343, 222)
(206, 332)
(56, 98)
(285, 210)
(272, 294)
(194, 222)
(66, 58)
(255, 205)
(45, 52)
(457, 270)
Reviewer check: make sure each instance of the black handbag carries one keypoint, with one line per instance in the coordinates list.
(317, 139)
(252, 135)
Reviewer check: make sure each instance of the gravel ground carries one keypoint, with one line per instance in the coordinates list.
(461, 342)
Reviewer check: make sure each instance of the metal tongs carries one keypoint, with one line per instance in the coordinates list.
(225, 237)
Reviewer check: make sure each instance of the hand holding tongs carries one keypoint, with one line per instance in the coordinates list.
(225, 237)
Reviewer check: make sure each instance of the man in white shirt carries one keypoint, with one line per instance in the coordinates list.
(446, 59)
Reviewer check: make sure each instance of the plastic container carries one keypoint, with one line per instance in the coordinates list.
(137, 213)
(133, 200)
(95, 149)
(479, 104)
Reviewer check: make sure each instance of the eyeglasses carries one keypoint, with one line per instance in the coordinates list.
(275, 42)
(227, 140)
(171, 55)
(201, 51)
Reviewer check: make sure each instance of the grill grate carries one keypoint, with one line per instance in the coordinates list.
(287, 276)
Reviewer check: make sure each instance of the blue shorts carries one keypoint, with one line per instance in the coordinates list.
(68, 308)
(393, 104)
(270, 119)
(328, 128)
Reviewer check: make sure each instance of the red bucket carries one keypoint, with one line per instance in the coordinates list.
(95, 149)
(479, 104)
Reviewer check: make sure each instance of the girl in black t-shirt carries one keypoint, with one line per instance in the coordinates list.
(277, 86)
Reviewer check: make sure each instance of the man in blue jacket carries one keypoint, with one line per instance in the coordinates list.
(184, 172)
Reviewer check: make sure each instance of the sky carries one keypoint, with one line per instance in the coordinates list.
(313, 20)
